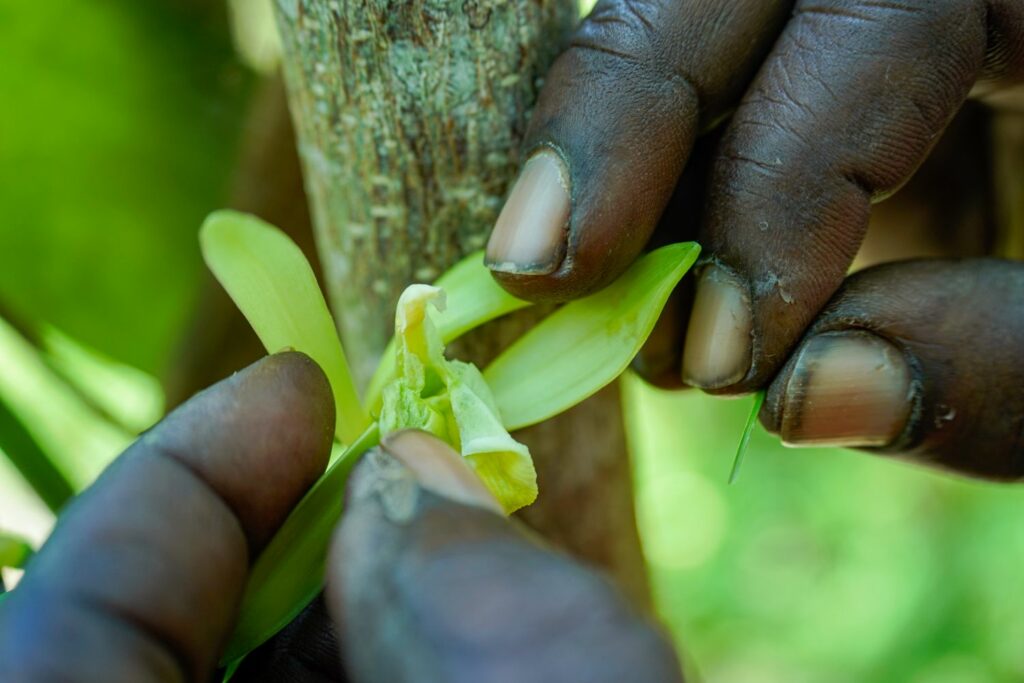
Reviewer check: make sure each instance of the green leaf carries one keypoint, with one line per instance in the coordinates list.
(272, 283)
(451, 400)
(97, 248)
(289, 573)
(231, 669)
(586, 344)
(76, 442)
(125, 396)
(14, 551)
(32, 462)
(473, 298)
(748, 429)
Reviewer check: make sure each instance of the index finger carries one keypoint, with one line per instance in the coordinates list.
(141, 577)
(611, 133)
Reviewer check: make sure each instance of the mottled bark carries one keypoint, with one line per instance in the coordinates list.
(409, 118)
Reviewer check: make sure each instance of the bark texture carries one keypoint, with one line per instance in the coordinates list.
(409, 116)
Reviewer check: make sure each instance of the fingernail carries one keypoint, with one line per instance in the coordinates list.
(846, 389)
(440, 469)
(716, 352)
(530, 235)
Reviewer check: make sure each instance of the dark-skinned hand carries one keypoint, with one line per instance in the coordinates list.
(819, 108)
(834, 104)
(426, 582)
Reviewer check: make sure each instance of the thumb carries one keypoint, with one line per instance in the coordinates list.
(920, 359)
(430, 583)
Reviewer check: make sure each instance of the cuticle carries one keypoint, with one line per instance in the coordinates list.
(565, 263)
(703, 263)
(778, 410)
(908, 436)
(790, 410)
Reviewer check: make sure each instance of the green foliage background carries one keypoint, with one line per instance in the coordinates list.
(117, 135)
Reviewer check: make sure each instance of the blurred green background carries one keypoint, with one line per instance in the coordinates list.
(119, 131)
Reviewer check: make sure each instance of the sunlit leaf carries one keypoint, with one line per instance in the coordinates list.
(14, 551)
(77, 441)
(128, 397)
(586, 344)
(473, 298)
(273, 285)
(748, 429)
(289, 573)
(32, 462)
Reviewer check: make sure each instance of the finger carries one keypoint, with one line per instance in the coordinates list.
(659, 362)
(612, 130)
(424, 565)
(1004, 59)
(848, 104)
(920, 358)
(141, 578)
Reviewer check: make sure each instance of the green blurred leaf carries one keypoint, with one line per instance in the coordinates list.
(586, 344)
(75, 440)
(31, 461)
(272, 283)
(472, 298)
(121, 140)
(130, 398)
(14, 551)
(289, 573)
(117, 393)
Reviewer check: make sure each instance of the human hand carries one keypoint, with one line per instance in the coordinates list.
(837, 103)
(144, 572)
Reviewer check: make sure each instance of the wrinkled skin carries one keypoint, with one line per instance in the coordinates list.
(833, 104)
(785, 121)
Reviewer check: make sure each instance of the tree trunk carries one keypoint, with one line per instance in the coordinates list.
(409, 117)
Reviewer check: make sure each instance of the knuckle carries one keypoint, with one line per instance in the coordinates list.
(626, 26)
(885, 10)
(1004, 53)
(640, 37)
